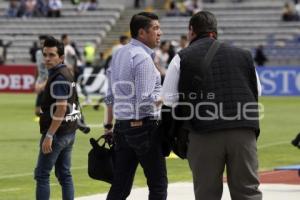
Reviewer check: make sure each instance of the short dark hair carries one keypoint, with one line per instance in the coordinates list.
(163, 43)
(183, 37)
(43, 37)
(203, 22)
(64, 36)
(141, 20)
(123, 38)
(52, 42)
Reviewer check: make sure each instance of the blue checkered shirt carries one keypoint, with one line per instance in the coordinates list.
(134, 82)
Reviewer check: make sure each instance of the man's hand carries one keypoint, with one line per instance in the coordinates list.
(159, 102)
(108, 132)
(47, 145)
(38, 87)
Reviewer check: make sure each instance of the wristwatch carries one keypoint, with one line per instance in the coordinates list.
(108, 126)
(49, 135)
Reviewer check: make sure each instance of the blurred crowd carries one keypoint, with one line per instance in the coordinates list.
(188, 7)
(45, 8)
(90, 56)
(291, 11)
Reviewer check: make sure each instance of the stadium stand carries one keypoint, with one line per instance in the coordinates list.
(84, 27)
(247, 25)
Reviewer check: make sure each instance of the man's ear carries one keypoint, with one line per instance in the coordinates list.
(141, 33)
(193, 34)
(62, 58)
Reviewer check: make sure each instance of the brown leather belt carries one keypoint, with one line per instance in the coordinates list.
(136, 123)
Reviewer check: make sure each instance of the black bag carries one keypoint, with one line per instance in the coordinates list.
(174, 134)
(101, 159)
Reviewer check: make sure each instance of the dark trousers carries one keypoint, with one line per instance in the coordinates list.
(136, 145)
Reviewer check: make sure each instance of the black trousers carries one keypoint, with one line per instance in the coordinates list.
(138, 143)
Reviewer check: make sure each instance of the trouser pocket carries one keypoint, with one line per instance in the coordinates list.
(139, 139)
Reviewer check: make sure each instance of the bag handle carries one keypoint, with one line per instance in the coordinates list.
(207, 59)
(107, 140)
(210, 54)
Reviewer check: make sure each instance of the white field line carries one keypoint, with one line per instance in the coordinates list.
(9, 190)
(31, 174)
(272, 144)
(83, 167)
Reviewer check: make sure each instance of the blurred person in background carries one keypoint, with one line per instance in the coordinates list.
(72, 60)
(89, 54)
(100, 61)
(123, 39)
(75, 2)
(3, 51)
(161, 58)
(13, 9)
(70, 56)
(54, 8)
(32, 51)
(288, 13)
(183, 43)
(87, 5)
(137, 3)
(30, 8)
(192, 6)
(172, 51)
(42, 7)
(297, 8)
(260, 58)
(173, 10)
(162, 54)
(42, 75)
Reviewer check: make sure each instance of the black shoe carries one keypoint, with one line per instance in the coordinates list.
(96, 107)
(296, 141)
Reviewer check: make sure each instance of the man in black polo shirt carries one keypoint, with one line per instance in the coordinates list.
(57, 123)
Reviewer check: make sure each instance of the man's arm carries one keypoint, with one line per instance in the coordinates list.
(254, 78)
(42, 72)
(259, 88)
(170, 87)
(61, 91)
(109, 100)
(57, 118)
(108, 123)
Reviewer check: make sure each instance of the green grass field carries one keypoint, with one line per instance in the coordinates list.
(19, 146)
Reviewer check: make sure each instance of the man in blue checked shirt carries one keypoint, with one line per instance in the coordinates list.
(133, 100)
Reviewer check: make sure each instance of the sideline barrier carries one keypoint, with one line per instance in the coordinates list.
(21, 78)
(279, 81)
(276, 81)
(17, 78)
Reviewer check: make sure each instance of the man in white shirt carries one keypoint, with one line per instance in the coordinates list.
(220, 106)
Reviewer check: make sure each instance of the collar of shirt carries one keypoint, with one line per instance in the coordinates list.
(145, 47)
(52, 70)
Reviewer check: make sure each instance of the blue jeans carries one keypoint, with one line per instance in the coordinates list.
(133, 146)
(60, 157)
